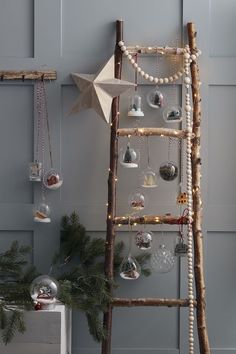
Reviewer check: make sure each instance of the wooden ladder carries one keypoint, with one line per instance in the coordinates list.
(113, 220)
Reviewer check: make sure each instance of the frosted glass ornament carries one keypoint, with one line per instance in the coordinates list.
(135, 106)
(130, 268)
(168, 171)
(42, 213)
(155, 98)
(162, 261)
(172, 114)
(143, 240)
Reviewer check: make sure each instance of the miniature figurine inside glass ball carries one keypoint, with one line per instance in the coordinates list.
(135, 106)
(162, 261)
(129, 157)
(130, 268)
(52, 179)
(168, 171)
(143, 240)
(42, 213)
(172, 114)
(155, 98)
(137, 201)
(35, 171)
(44, 290)
(149, 179)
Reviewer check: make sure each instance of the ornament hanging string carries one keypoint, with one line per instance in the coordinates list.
(47, 122)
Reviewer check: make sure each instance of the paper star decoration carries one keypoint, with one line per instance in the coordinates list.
(97, 91)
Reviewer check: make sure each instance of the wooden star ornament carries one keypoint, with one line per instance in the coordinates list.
(97, 91)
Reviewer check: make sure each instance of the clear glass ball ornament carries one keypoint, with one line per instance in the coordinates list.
(149, 179)
(130, 269)
(172, 114)
(143, 240)
(137, 201)
(44, 290)
(155, 98)
(129, 157)
(163, 260)
(135, 106)
(168, 171)
(52, 179)
(42, 213)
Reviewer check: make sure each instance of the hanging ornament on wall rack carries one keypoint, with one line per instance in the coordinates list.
(135, 100)
(162, 259)
(130, 269)
(168, 170)
(148, 177)
(137, 201)
(155, 97)
(129, 157)
(143, 240)
(181, 248)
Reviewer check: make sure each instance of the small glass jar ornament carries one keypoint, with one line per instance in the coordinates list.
(52, 179)
(35, 171)
(155, 98)
(143, 240)
(168, 171)
(163, 260)
(129, 157)
(44, 290)
(42, 213)
(130, 268)
(149, 179)
(137, 201)
(181, 248)
(135, 106)
(172, 114)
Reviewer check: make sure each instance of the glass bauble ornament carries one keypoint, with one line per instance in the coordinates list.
(52, 179)
(155, 98)
(181, 248)
(162, 261)
(135, 106)
(143, 240)
(137, 201)
(35, 171)
(168, 171)
(42, 213)
(129, 157)
(149, 179)
(130, 268)
(172, 114)
(44, 290)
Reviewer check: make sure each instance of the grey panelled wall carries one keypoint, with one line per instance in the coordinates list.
(72, 35)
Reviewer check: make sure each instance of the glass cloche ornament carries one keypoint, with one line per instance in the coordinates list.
(44, 290)
(149, 179)
(155, 98)
(129, 157)
(135, 106)
(130, 268)
(42, 213)
(168, 171)
(143, 240)
(35, 171)
(162, 261)
(52, 179)
(172, 114)
(137, 201)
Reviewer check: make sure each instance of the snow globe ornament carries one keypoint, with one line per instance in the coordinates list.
(129, 157)
(35, 171)
(130, 268)
(44, 290)
(155, 98)
(149, 179)
(137, 201)
(162, 261)
(52, 179)
(168, 171)
(143, 240)
(172, 114)
(181, 248)
(42, 213)
(135, 106)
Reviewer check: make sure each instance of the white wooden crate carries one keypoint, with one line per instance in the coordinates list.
(48, 332)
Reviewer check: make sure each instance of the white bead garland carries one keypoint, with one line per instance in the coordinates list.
(163, 80)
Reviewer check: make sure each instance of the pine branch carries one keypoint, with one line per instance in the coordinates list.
(14, 324)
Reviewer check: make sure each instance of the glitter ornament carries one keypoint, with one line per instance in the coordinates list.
(143, 240)
(168, 171)
(44, 290)
(162, 261)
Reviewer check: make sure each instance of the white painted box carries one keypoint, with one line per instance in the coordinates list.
(47, 332)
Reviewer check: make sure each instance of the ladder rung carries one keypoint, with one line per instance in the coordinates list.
(124, 302)
(28, 75)
(155, 50)
(163, 132)
(151, 219)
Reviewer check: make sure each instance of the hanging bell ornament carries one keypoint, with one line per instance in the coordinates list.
(168, 171)
(52, 180)
(135, 106)
(172, 114)
(130, 268)
(143, 240)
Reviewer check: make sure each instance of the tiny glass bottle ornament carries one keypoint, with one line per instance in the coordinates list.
(35, 171)
(135, 106)
(143, 240)
(129, 157)
(137, 201)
